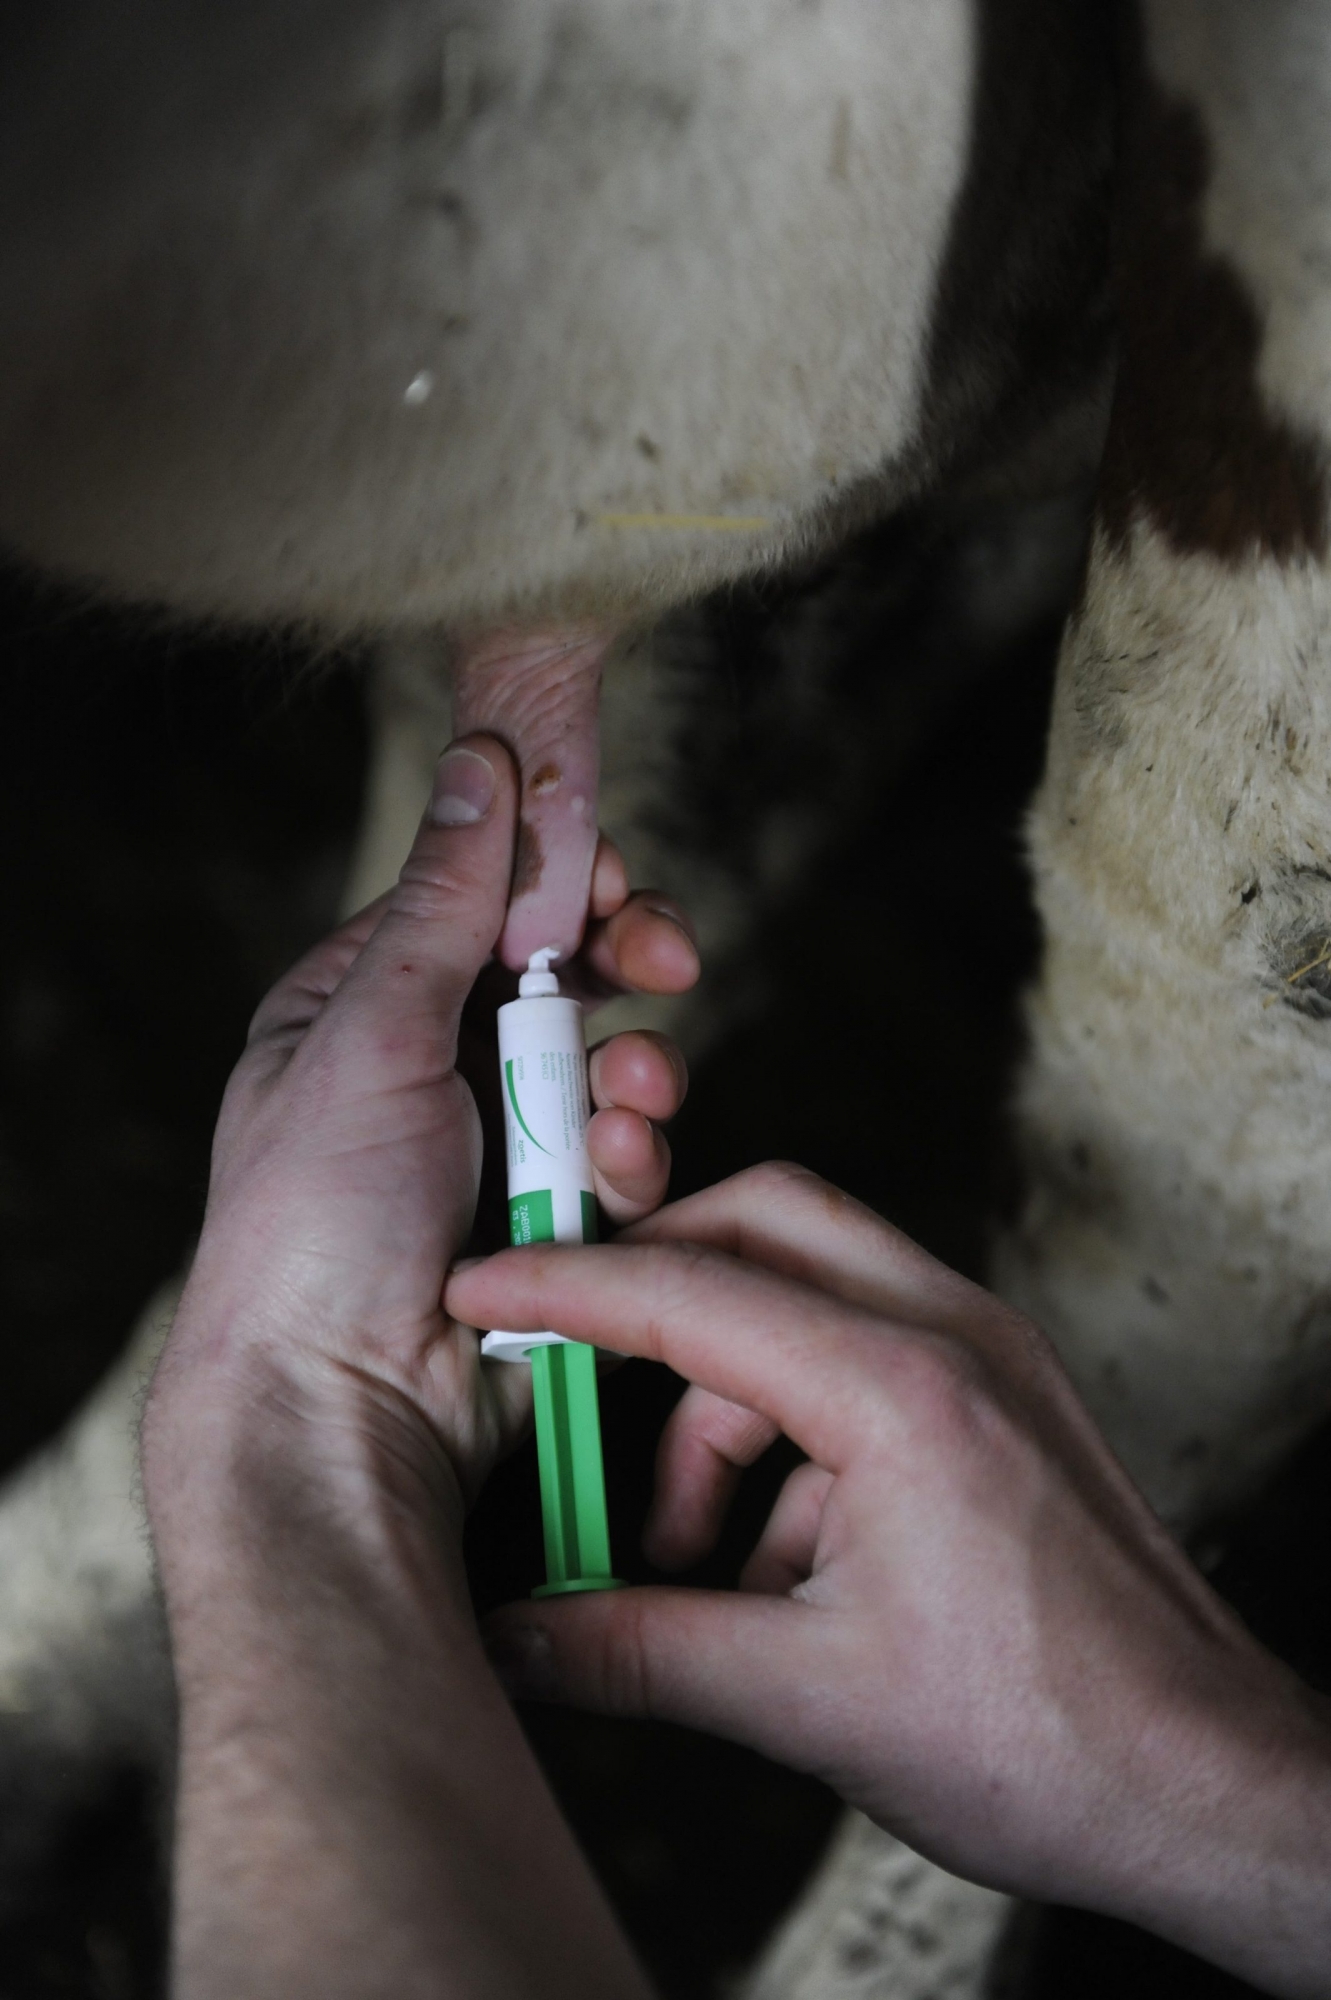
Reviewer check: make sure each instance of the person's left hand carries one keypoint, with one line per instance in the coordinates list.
(960, 1614)
(347, 1156)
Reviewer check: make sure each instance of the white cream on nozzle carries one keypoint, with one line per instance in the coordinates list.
(543, 1070)
(538, 982)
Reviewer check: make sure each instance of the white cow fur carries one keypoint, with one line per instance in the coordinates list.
(581, 260)
(1178, 1247)
(736, 326)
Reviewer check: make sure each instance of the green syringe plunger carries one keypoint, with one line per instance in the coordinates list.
(568, 1446)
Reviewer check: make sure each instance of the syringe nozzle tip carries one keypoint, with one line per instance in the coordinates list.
(538, 981)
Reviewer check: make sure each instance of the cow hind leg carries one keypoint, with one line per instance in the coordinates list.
(85, 1686)
(1174, 1238)
(878, 1922)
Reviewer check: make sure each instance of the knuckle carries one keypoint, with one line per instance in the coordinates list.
(241, 1097)
(283, 1015)
(626, 1677)
(740, 1435)
(430, 890)
(1016, 1330)
(676, 1267)
(943, 1391)
(671, 1275)
(774, 1179)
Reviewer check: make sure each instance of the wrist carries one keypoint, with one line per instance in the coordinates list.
(1238, 1867)
(352, 1782)
(266, 1473)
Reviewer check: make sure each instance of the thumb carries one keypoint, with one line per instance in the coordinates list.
(402, 998)
(731, 1664)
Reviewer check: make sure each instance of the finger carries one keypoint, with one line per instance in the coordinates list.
(823, 1371)
(610, 880)
(639, 1071)
(403, 996)
(539, 694)
(736, 1666)
(630, 1164)
(646, 947)
(635, 1078)
(300, 994)
(786, 1549)
(705, 1445)
(792, 1221)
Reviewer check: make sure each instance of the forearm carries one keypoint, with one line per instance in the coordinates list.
(358, 1810)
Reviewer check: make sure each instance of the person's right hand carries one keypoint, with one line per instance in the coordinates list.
(961, 1614)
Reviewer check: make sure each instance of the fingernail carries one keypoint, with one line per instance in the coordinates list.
(672, 917)
(462, 1264)
(523, 1661)
(464, 786)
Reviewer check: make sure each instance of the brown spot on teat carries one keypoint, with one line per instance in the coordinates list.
(547, 779)
(528, 861)
(1192, 441)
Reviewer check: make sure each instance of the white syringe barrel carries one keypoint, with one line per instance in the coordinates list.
(551, 1195)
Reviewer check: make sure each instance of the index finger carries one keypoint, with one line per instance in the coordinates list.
(300, 994)
(813, 1364)
(794, 1222)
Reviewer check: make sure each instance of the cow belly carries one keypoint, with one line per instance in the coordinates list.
(389, 311)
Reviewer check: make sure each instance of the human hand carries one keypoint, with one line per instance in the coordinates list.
(961, 1614)
(352, 1785)
(346, 1163)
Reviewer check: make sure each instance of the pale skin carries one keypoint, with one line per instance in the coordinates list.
(961, 1614)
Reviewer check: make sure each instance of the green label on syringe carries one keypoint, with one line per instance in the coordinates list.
(531, 1217)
